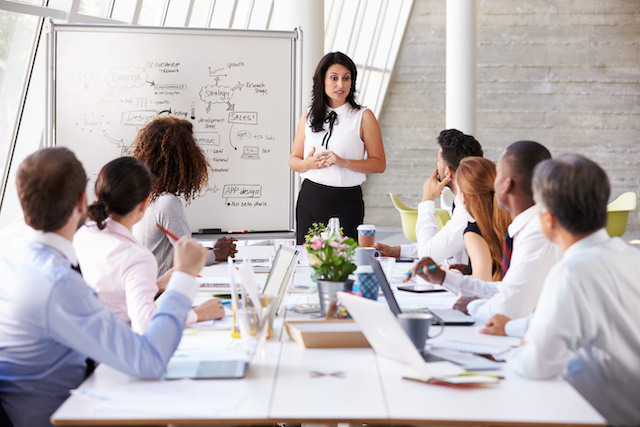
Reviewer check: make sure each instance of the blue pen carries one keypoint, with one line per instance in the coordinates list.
(226, 302)
(431, 267)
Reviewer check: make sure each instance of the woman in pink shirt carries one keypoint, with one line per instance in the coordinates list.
(113, 263)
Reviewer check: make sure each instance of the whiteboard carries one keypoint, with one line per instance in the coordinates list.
(237, 88)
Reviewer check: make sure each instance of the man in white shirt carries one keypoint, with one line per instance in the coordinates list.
(532, 256)
(587, 323)
(448, 242)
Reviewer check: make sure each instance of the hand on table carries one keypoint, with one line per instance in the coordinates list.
(462, 304)
(225, 248)
(210, 310)
(386, 250)
(496, 325)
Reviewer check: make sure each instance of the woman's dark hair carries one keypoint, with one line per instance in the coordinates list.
(121, 185)
(319, 99)
(167, 146)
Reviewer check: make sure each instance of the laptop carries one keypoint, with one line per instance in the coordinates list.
(281, 274)
(385, 335)
(206, 369)
(447, 316)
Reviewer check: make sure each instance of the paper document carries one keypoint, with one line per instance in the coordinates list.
(470, 347)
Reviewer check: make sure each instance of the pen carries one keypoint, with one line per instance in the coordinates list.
(431, 267)
(168, 233)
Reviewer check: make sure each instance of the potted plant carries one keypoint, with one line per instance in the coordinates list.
(331, 259)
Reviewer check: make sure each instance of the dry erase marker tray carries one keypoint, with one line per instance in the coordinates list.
(326, 333)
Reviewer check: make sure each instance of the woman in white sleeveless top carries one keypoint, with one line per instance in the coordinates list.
(336, 144)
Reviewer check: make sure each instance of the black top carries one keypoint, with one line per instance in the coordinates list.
(472, 227)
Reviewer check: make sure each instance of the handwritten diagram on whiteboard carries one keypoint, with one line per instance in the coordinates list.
(237, 89)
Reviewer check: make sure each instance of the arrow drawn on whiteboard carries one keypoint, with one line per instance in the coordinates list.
(231, 107)
(231, 133)
(215, 189)
(165, 111)
(151, 83)
(118, 142)
(239, 86)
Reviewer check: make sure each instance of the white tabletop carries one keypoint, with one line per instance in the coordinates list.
(286, 382)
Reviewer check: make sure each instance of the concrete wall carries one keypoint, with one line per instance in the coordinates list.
(566, 74)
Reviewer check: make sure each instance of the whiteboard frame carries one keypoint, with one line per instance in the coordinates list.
(52, 29)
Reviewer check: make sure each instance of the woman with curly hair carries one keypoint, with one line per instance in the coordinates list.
(483, 238)
(167, 146)
(337, 143)
(119, 269)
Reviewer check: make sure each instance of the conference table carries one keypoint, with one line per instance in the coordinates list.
(288, 383)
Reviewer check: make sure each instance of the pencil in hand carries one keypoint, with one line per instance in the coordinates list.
(430, 267)
(168, 233)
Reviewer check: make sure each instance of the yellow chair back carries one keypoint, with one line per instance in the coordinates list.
(618, 213)
(409, 217)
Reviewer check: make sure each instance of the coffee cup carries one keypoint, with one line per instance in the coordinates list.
(362, 255)
(367, 282)
(366, 235)
(417, 325)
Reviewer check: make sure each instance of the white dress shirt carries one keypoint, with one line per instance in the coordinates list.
(587, 327)
(517, 294)
(51, 321)
(439, 245)
(121, 271)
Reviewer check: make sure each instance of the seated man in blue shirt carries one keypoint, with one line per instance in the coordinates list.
(50, 320)
(586, 324)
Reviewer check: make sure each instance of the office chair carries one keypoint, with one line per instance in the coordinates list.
(409, 217)
(618, 213)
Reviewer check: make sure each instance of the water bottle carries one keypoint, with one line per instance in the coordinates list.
(333, 229)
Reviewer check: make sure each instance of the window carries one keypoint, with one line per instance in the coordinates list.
(370, 32)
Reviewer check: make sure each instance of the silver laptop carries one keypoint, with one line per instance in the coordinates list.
(206, 369)
(281, 274)
(279, 278)
(446, 316)
(381, 328)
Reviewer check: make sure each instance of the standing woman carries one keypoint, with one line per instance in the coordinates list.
(483, 238)
(337, 143)
(166, 145)
(118, 268)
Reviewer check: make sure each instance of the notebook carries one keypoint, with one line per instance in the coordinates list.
(381, 328)
(447, 316)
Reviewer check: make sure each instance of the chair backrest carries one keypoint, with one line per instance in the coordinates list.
(625, 202)
(618, 213)
(442, 216)
(408, 217)
(399, 205)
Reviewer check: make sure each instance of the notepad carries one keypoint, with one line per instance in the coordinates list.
(470, 347)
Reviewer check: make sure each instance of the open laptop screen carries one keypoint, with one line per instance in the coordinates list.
(448, 316)
(281, 274)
